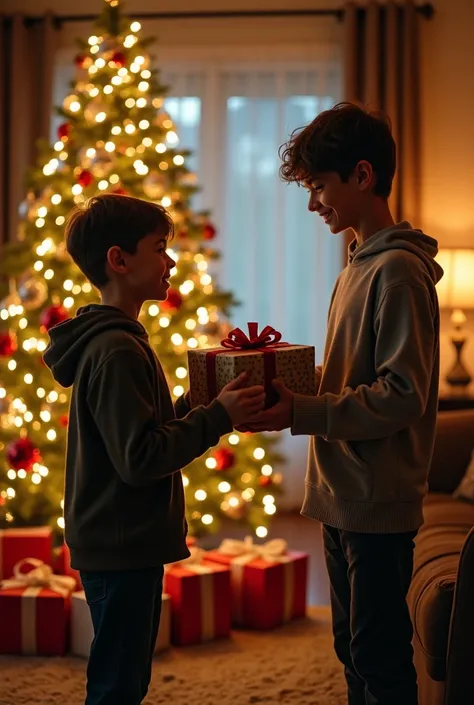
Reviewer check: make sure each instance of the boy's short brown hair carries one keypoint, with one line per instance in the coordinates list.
(106, 220)
(336, 141)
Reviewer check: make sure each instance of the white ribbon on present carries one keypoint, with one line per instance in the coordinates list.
(11, 533)
(34, 581)
(194, 564)
(243, 552)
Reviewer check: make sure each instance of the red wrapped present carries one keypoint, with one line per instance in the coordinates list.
(261, 355)
(34, 611)
(62, 565)
(200, 600)
(269, 583)
(16, 544)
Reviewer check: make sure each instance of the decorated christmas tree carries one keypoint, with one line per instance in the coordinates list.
(117, 137)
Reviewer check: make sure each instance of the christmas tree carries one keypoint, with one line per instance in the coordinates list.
(115, 137)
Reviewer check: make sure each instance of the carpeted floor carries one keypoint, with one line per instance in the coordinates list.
(294, 665)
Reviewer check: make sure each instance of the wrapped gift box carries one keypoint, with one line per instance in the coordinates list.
(262, 356)
(16, 544)
(62, 565)
(82, 631)
(35, 611)
(200, 601)
(269, 583)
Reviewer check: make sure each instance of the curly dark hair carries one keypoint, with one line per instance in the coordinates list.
(108, 219)
(336, 140)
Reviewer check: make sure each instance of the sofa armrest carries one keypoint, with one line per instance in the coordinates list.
(452, 451)
(459, 666)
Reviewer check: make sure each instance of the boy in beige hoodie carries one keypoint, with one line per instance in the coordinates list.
(372, 424)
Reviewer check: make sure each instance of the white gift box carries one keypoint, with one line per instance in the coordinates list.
(82, 631)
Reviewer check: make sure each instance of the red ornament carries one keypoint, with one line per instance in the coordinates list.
(85, 178)
(22, 454)
(120, 191)
(52, 316)
(64, 420)
(119, 58)
(64, 130)
(264, 481)
(173, 302)
(210, 232)
(81, 61)
(2, 501)
(225, 458)
(8, 344)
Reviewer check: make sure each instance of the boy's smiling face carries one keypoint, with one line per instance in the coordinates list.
(150, 268)
(145, 273)
(340, 203)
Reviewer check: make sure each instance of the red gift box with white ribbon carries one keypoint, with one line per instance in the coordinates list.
(200, 600)
(16, 544)
(34, 611)
(269, 583)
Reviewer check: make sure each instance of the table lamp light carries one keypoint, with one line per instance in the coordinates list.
(456, 292)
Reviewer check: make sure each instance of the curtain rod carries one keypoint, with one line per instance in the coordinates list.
(426, 10)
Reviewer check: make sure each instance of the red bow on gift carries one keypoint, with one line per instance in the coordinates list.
(237, 338)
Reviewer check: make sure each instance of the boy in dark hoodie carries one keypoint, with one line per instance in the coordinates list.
(124, 501)
(372, 425)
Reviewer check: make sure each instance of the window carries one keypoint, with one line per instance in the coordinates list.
(279, 260)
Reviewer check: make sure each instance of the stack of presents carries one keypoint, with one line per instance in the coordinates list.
(240, 584)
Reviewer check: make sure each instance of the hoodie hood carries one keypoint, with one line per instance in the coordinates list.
(68, 340)
(400, 236)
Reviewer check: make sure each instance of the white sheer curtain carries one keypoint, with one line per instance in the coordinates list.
(278, 259)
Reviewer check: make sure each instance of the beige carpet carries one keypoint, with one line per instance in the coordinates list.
(294, 665)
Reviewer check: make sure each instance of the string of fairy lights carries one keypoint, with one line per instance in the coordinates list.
(136, 75)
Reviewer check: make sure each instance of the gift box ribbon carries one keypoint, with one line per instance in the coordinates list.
(265, 342)
(243, 552)
(193, 564)
(40, 577)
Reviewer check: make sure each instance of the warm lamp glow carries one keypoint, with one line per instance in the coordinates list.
(456, 292)
(456, 288)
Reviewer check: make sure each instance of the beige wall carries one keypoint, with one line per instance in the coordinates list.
(448, 139)
(448, 123)
(223, 31)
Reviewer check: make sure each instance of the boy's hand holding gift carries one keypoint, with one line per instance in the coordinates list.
(278, 368)
(278, 417)
(242, 403)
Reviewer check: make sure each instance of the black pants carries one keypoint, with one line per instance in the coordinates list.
(369, 576)
(125, 607)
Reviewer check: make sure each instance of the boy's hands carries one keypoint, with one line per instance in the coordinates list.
(277, 417)
(242, 403)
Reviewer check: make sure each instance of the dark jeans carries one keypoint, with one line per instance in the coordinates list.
(125, 607)
(369, 577)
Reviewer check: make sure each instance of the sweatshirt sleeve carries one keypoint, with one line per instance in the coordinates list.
(142, 449)
(181, 407)
(405, 340)
(318, 373)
